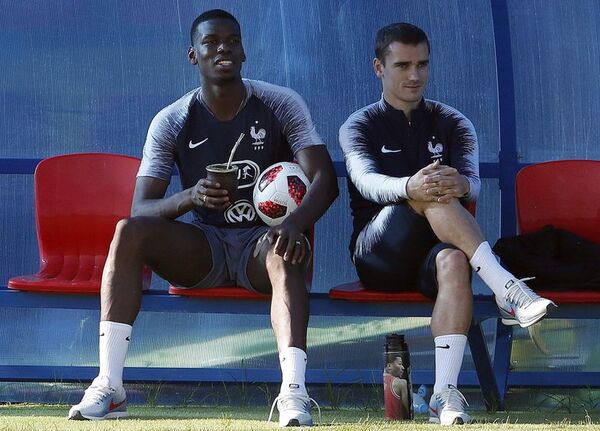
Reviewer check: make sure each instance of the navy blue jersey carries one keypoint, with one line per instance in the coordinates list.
(276, 124)
(382, 149)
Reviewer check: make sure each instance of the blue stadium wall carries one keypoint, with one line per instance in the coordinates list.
(88, 76)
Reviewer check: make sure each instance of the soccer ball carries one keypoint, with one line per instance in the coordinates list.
(278, 191)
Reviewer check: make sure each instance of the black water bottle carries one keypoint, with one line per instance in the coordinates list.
(397, 385)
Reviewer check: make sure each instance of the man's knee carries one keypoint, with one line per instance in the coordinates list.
(421, 206)
(278, 267)
(451, 259)
(132, 232)
(452, 264)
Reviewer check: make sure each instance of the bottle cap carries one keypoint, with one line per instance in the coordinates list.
(394, 342)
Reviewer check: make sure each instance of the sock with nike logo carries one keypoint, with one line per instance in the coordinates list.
(293, 370)
(485, 264)
(114, 342)
(449, 352)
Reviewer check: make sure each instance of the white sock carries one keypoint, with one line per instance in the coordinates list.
(114, 342)
(485, 264)
(449, 353)
(293, 369)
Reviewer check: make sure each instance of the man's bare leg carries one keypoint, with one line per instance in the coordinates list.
(450, 323)
(176, 251)
(454, 225)
(289, 305)
(453, 308)
(289, 318)
(451, 316)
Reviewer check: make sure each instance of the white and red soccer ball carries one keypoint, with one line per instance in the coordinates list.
(278, 191)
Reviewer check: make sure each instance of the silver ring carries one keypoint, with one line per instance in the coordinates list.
(204, 198)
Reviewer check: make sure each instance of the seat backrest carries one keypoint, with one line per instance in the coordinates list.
(79, 198)
(563, 193)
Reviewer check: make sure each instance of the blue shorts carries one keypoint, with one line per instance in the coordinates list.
(231, 249)
(396, 251)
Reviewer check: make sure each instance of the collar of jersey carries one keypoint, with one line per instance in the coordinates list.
(416, 115)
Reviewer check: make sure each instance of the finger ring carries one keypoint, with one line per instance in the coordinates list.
(204, 198)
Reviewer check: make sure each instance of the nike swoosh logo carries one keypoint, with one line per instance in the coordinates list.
(443, 347)
(192, 146)
(387, 150)
(511, 311)
(116, 406)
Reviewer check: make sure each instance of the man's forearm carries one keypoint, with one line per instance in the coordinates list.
(376, 187)
(170, 207)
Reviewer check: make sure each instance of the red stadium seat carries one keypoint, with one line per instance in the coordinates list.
(566, 195)
(357, 293)
(562, 193)
(79, 198)
(218, 292)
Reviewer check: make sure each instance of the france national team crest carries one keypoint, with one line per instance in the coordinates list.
(435, 148)
(258, 136)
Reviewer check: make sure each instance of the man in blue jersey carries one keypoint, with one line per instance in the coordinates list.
(412, 164)
(224, 244)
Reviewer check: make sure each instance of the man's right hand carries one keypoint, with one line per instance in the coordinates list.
(418, 186)
(437, 183)
(209, 194)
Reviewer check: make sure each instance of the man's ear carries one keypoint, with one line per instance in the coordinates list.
(192, 55)
(378, 67)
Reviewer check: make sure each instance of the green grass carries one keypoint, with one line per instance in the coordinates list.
(29, 417)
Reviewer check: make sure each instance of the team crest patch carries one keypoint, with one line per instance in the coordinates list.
(435, 148)
(258, 135)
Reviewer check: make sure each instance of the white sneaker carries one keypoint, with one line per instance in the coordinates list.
(521, 305)
(294, 410)
(448, 408)
(100, 401)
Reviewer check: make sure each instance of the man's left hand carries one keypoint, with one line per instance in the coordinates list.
(288, 241)
(446, 183)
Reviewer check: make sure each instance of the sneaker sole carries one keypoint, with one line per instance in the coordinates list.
(515, 322)
(536, 319)
(456, 421)
(77, 416)
(461, 421)
(295, 423)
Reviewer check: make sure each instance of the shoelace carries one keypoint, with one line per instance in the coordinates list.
(96, 394)
(453, 399)
(298, 402)
(519, 294)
